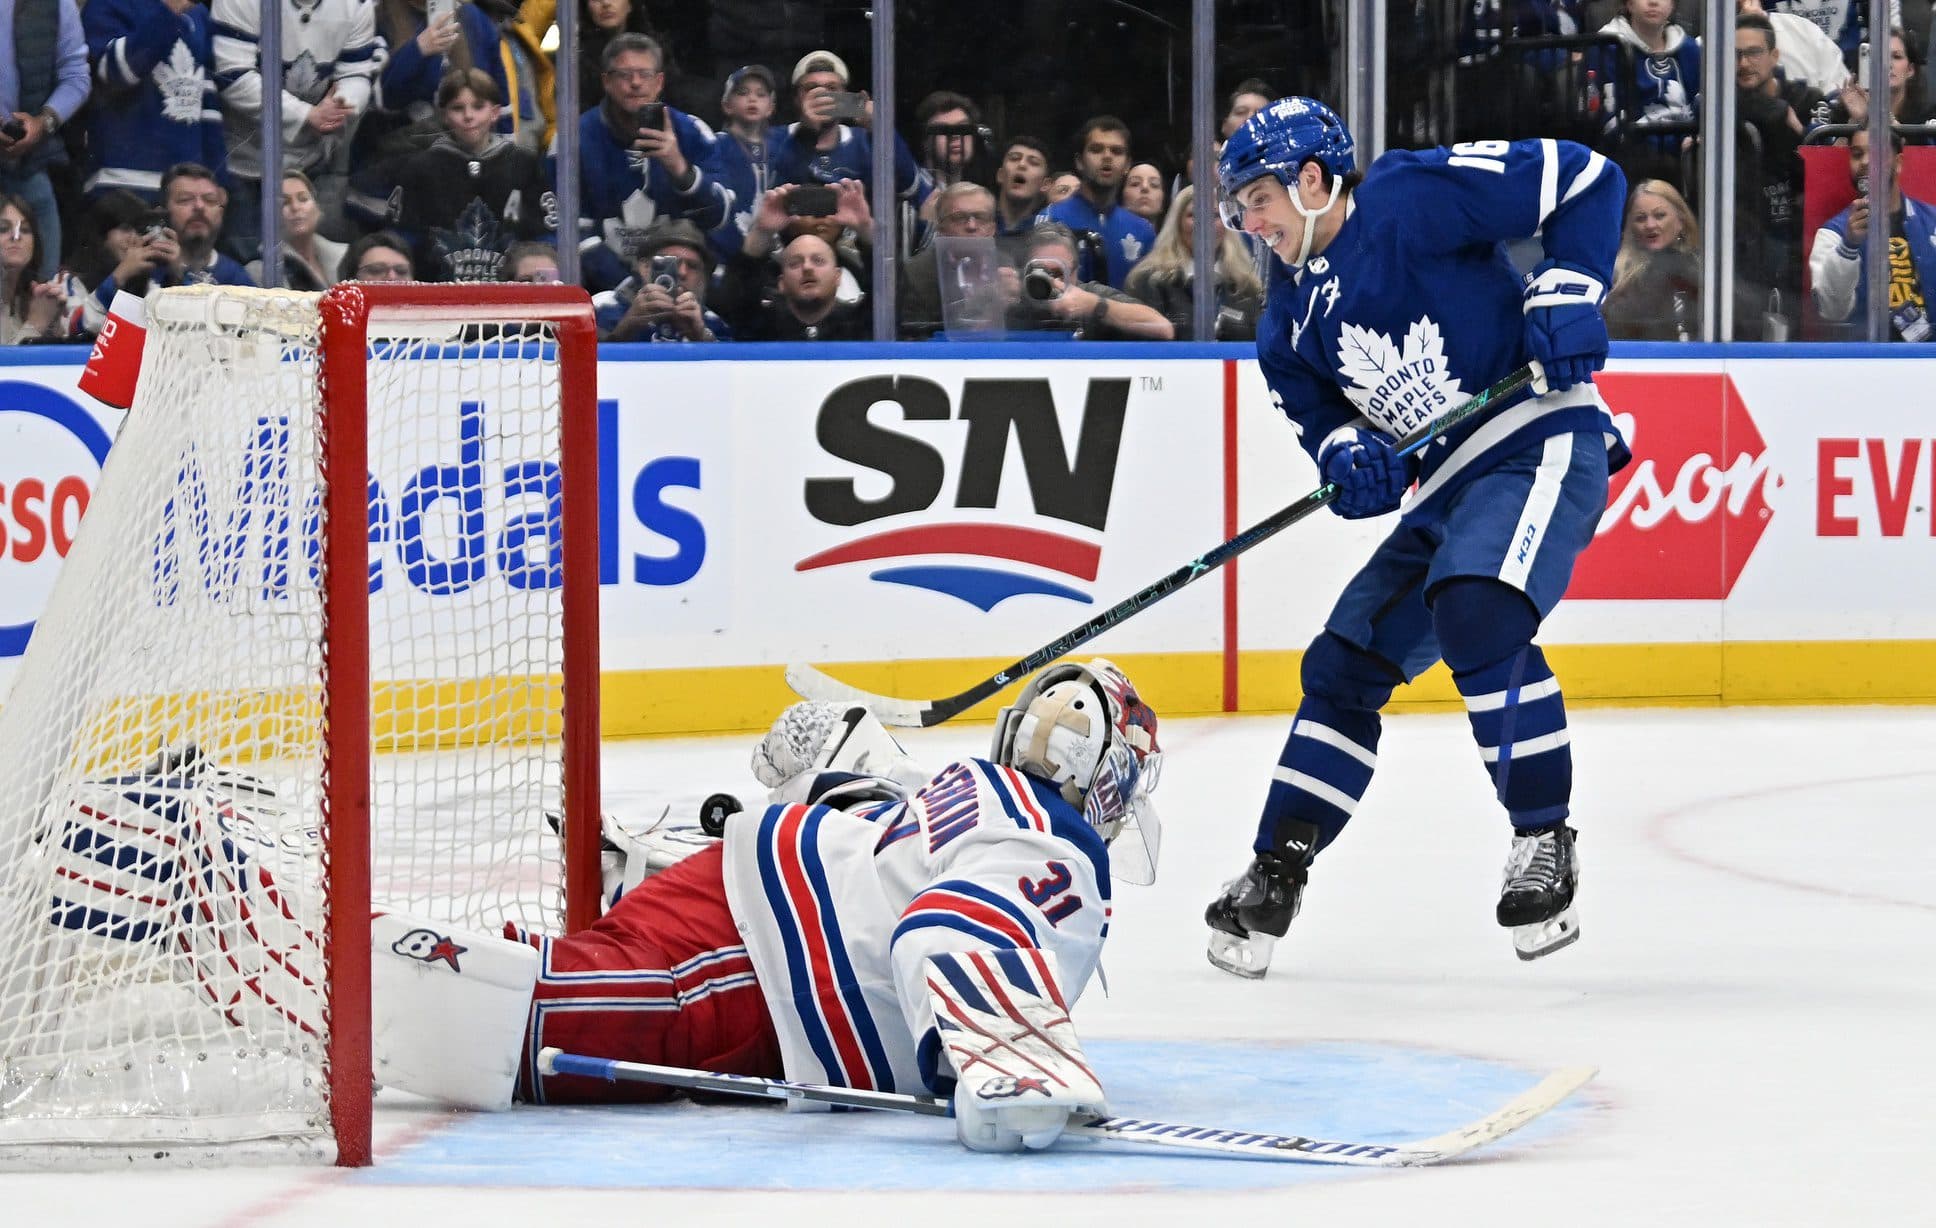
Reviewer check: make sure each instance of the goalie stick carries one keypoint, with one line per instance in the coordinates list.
(1245, 1144)
(812, 683)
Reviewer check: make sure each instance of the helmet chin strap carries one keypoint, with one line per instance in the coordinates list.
(1311, 217)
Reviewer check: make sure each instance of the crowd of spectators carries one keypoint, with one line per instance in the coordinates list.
(724, 169)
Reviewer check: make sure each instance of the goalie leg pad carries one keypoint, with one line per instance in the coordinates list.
(1019, 1068)
(447, 1010)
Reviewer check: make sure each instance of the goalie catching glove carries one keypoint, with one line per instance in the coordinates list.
(1019, 1070)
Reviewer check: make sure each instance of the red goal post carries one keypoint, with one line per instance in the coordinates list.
(346, 549)
(348, 310)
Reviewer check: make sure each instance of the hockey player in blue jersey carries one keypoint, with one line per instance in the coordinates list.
(1394, 302)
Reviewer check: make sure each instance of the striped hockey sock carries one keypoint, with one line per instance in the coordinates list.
(1322, 772)
(1519, 720)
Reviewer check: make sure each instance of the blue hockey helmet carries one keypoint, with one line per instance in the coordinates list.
(1279, 140)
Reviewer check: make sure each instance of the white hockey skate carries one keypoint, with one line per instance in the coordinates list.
(1536, 899)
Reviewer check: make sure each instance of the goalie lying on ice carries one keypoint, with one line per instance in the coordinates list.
(873, 927)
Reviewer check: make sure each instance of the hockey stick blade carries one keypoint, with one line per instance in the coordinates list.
(1532, 1103)
(811, 683)
(1242, 1144)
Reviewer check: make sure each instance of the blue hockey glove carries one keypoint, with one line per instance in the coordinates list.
(1564, 328)
(1370, 475)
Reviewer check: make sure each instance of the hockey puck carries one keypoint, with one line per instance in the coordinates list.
(713, 812)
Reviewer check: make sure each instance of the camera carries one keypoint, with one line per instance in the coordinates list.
(665, 273)
(14, 128)
(849, 107)
(1042, 280)
(156, 225)
(651, 115)
(812, 200)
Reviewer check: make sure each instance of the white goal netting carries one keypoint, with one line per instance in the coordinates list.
(167, 852)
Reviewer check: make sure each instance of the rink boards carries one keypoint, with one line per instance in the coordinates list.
(914, 517)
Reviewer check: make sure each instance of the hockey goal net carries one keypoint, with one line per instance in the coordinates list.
(327, 636)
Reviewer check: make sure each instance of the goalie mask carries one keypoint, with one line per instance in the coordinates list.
(1083, 728)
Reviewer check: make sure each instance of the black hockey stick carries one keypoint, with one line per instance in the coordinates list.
(813, 684)
(1241, 1143)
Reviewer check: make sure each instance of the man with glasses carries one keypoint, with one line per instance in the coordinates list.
(665, 298)
(1768, 186)
(639, 161)
(961, 256)
(181, 243)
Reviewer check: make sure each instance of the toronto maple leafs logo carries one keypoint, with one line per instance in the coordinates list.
(625, 233)
(1397, 387)
(180, 81)
(303, 79)
(474, 246)
(1132, 248)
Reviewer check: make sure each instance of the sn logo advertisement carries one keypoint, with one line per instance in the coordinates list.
(1068, 489)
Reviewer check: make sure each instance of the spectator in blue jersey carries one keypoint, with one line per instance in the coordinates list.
(744, 153)
(329, 61)
(180, 249)
(155, 100)
(599, 22)
(1021, 185)
(1102, 162)
(43, 82)
(665, 298)
(822, 149)
(638, 160)
(1390, 306)
(1662, 92)
(1840, 276)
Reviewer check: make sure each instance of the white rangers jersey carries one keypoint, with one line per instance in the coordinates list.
(841, 909)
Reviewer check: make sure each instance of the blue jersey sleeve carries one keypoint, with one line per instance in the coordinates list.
(1483, 192)
(1309, 398)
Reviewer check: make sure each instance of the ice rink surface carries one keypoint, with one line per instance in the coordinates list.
(1756, 981)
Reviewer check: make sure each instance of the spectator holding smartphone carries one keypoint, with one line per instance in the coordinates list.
(177, 247)
(1841, 276)
(806, 307)
(622, 194)
(836, 214)
(665, 298)
(832, 140)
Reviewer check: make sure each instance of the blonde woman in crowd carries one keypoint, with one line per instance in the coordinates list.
(1656, 293)
(1163, 278)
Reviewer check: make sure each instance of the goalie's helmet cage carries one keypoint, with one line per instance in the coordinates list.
(327, 633)
(1082, 727)
(1278, 141)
